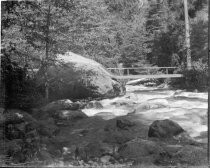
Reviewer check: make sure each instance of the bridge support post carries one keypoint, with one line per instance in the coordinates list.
(120, 70)
(127, 71)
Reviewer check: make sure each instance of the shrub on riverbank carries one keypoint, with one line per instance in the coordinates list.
(18, 89)
(195, 78)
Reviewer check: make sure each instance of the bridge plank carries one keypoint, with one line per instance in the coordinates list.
(148, 76)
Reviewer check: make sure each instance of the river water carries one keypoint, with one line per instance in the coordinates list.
(188, 109)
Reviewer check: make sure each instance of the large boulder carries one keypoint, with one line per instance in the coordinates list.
(47, 127)
(64, 104)
(188, 155)
(119, 131)
(18, 124)
(124, 124)
(151, 104)
(70, 115)
(15, 116)
(93, 150)
(164, 129)
(79, 77)
(94, 104)
(141, 151)
(191, 155)
(105, 115)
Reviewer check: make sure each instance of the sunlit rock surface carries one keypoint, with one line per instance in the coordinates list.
(76, 77)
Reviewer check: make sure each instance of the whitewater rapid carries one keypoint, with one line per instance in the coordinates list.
(188, 109)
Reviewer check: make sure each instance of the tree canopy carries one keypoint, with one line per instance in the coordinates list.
(108, 31)
(131, 32)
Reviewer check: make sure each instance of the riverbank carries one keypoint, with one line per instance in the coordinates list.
(113, 132)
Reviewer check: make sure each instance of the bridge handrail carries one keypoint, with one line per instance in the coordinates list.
(148, 76)
(145, 68)
(148, 69)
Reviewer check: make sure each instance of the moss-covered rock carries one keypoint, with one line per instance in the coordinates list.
(164, 129)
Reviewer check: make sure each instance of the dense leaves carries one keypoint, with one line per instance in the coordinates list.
(132, 32)
(194, 79)
(165, 20)
(20, 91)
(109, 31)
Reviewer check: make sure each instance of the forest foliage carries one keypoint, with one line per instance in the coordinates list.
(108, 31)
(132, 32)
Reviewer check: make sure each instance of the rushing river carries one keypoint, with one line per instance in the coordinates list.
(188, 109)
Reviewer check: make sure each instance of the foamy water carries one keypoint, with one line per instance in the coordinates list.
(188, 109)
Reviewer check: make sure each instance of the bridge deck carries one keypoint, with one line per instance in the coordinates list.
(148, 76)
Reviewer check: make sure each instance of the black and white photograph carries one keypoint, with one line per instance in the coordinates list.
(105, 83)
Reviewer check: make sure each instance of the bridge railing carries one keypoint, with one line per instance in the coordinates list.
(142, 70)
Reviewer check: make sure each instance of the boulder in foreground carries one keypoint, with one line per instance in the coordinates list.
(65, 104)
(70, 115)
(141, 151)
(164, 129)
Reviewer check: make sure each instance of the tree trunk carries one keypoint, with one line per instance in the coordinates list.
(208, 83)
(2, 91)
(47, 89)
(47, 55)
(187, 36)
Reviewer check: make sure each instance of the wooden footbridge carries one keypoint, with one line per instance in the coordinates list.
(144, 72)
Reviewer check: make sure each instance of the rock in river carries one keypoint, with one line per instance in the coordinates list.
(94, 104)
(105, 115)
